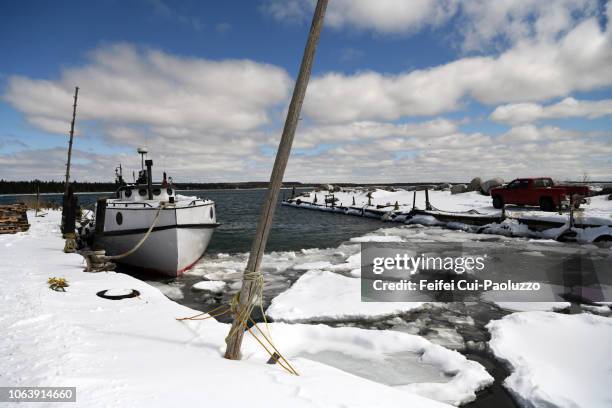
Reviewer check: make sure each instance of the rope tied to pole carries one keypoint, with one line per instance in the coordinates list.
(243, 316)
(256, 289)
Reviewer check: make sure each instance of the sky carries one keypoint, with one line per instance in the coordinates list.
(401, 90)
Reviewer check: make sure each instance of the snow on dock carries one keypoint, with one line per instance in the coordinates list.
(134, 352)
(460, 211)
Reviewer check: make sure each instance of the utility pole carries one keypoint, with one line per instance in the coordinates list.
(251, 282)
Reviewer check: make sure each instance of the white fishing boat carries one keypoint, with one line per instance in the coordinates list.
(150, 227)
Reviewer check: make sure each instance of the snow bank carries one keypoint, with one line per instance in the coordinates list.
(327, 296)
(557, 360)
(390, 357)
(133, 352)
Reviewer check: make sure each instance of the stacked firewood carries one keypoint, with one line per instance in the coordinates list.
(13, 218)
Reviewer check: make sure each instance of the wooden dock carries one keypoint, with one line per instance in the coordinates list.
(472, 218)
(13, 218)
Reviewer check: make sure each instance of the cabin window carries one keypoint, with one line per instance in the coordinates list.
(119, 218)
(142, 192)
(212, 213)
(128, 193)
(156, 191)
(169, 191)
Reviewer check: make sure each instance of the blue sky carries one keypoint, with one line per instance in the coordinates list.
(401, 90)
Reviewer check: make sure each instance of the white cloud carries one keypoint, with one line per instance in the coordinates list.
(199, 118)
(532, 134)
(531, 71)
(479, 23)
(385, 16)
(518, 113)
(486, 22)
(369, 131)
(390, 155)
(124, 85)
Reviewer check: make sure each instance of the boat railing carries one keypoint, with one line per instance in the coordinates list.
(133, 204)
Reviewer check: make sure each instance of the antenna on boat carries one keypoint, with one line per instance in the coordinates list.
(142, 151)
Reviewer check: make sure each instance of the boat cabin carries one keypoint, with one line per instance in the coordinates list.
(143, 188)
(140, 192)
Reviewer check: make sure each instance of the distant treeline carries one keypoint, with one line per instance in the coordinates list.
(31, 187)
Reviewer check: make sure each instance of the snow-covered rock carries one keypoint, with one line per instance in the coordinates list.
(475, 184)
(458, 189)
(486, 186)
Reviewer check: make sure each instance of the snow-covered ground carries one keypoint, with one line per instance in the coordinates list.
(133, 352)
(598, 210)
(557, 360)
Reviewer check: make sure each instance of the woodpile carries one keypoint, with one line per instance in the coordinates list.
(13, 218)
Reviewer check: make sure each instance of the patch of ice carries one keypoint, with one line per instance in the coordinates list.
(210, 285)
(557, 360)
(404, 361)
(523, 301)
(312, 265)
(327, 296)
(377, 238)
(172, 291)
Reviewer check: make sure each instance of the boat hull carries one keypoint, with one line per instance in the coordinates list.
(168, 251)
(180, 234)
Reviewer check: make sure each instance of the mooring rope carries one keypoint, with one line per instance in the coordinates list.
(243, 316)
(139, 244)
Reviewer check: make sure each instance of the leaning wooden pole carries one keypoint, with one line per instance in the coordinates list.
(74, 106)
(251, 283)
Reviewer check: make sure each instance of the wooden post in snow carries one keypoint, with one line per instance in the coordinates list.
(76, 94)
(74, 106)
(250, 285)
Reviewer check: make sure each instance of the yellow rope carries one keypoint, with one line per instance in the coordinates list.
(210, 314)
(244, 315)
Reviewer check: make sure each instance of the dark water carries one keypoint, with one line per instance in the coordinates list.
(238, 212)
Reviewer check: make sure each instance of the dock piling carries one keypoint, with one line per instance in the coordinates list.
(252, 284)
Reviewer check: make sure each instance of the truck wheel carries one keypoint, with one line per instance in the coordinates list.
(498, 202)
(547, 204)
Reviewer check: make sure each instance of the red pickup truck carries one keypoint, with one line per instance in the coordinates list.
(540, 192)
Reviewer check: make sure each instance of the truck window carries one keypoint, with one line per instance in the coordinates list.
(519, 184)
